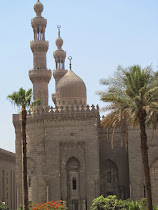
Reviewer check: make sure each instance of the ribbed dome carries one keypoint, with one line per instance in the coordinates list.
(38, 7)
(72, 88)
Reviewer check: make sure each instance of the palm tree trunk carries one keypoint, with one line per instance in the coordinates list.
(24, 113)
(144, 150)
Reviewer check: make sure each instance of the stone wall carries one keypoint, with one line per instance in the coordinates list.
(54, 137)
(7, 179)
(137, 184)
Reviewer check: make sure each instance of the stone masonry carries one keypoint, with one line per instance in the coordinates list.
(7, 179)
(69, 155)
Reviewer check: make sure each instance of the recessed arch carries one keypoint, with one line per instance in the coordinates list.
(109, 178)
(73, 181)
(154, 179)
(72, 163)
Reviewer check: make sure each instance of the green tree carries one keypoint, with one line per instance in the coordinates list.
(22, 99)
(132, 94)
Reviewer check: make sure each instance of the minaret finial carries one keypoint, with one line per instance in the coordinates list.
(70, 58)
(58, 26)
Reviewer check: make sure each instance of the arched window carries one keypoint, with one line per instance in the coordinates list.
(74, 184)
(109, 177)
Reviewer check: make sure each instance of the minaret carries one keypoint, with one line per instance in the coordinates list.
(59, 56)
(40, 75)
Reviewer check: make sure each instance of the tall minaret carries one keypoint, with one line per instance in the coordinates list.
(40, 75)
(59, 56)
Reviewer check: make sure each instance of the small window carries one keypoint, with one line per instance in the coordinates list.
(109, 177)
(29, 181)
(114, 178)
(74, 183)
(144, 192)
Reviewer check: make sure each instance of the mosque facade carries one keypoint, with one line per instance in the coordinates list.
(69, 155)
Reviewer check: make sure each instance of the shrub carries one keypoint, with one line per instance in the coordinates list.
(2, 206)
(110, 202)
(50, 205)
(133, 205)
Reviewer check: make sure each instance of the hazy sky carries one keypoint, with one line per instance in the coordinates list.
(98, 34)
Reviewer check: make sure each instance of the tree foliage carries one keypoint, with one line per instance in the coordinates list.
(133, 96)
(129, 90)
(21, 98)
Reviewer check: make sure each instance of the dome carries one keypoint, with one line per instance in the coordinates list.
(38, 7)
(71, 90)
(59, 42)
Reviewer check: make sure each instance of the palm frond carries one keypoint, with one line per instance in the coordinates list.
(128, 91)
(21, 98)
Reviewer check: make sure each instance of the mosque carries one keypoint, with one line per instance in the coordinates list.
(69, 155)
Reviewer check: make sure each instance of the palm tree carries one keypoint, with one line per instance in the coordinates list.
(22, 99)
(132, 94)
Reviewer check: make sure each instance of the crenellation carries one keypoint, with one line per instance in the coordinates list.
(61, 110)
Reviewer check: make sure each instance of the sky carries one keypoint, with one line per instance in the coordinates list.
(98, 34)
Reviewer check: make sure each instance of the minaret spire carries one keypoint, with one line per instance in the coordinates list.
(70, 58)
(58, 26)
(40, 75)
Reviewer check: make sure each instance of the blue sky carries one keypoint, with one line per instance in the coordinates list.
(98, 34)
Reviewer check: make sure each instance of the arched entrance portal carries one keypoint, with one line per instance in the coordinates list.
(109, 179)
(73, 183)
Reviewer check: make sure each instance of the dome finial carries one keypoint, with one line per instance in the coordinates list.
(58, 26)
(59, 41)
(70, 58)
(38, 7)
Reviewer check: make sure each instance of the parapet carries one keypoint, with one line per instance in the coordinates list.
(64, 112)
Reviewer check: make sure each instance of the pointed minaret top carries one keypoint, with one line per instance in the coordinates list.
(38, 7)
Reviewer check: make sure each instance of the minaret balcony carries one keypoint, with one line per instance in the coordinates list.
(38, 21)
(39, 45)
(59, 54)
(40, 75)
